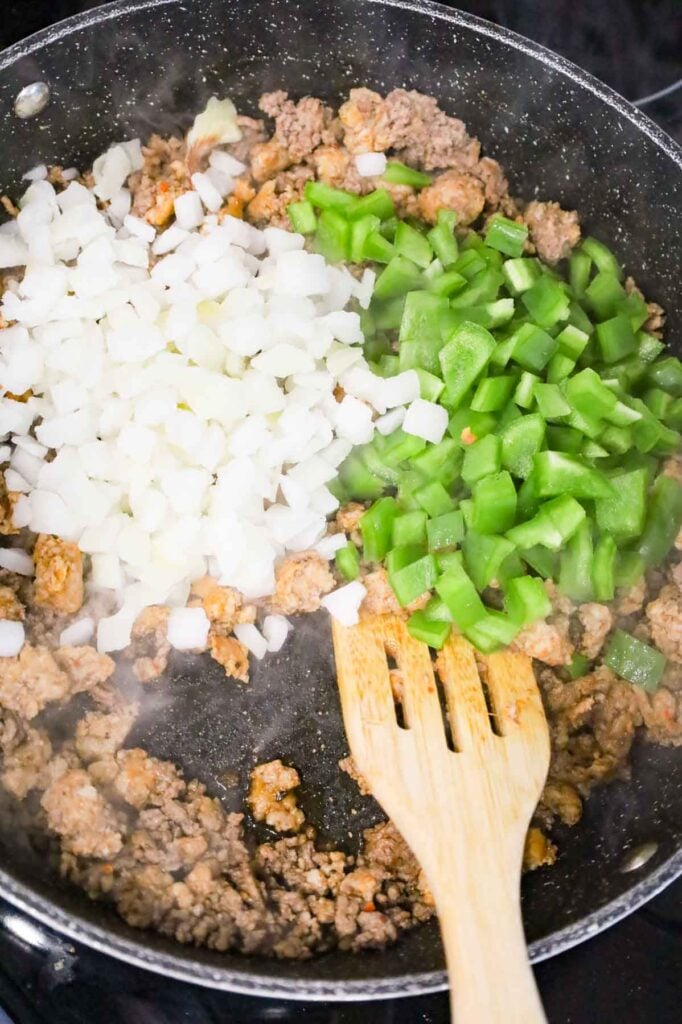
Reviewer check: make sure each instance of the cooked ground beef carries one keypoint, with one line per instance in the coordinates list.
(554, 232)
(270, 797)
(59, 574)
(301, 580)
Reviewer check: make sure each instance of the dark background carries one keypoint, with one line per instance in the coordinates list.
(631, 974)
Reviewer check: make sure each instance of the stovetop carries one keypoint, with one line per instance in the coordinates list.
(631, 973)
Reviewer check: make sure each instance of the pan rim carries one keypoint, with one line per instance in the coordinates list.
(134, 952)
(227, 979)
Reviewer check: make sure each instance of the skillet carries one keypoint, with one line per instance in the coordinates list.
(139, 66)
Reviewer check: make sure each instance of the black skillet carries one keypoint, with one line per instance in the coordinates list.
(147, 65)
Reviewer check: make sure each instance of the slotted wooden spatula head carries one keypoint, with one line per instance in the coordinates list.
(457, 756)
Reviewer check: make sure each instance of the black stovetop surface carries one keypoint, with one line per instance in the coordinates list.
(630, 974)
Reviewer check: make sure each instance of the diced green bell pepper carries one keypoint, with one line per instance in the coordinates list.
(397, 173)
(521, 441)
(506, 236)
(603, 568)
(399, 276)
(412, 244)
(483, 556)
(623, 514)
(546, 301)
(482, 458)
(494, 500)
(409, 528)
(493, 393)
(635, 661)
(663, 520)
(616, 338)
(463, 358)
(414, 579)
(533, 347)
(445, 531)
(429, 631)
(302, 217)
(376, 528)
(558, 473)
(493, 631)
(575, 569)
(526, 600)
(434, 499)
(459, 594)
(348, 562)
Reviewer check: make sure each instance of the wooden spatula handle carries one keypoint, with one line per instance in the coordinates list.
(491, 980)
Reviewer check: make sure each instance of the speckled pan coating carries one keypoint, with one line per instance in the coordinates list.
(130, 68)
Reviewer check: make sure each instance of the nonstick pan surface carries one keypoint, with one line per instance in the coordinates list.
(135, 67)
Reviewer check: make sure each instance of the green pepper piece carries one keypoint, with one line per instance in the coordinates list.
(494, 500)
(616, 338)
(445, 531)
(483, 556)
(635, 309)
(667, 374)
(397, 558)
(546, 301)
(378, 249)
(601, 256)
(409, 528)
(526, 600)
(360, 230)
(533, 347)
(658, 402)
(521, 441)
(399, 276)
(428, 631)
(460, 596)
(542, 560)
(507, 236)
(635, 661)
(623, 514)
(357, 480)
(629, 569)
(434, 498)
(447, 284)
(302, 217)
(465, 425)
(348, 562)
(603, 579)
(523, 395)
(575, 569)
(520, 274)
(430, 386)
(324, 197)
(588, 394)
(550, 402)
(400, 446)
(578, 666)
(442, 238)
(648, 347)
(411, 243)
(436, 609)
(605, 295)
(446, 559)
(442, 461)
(493, 393)
(375, 204)
(469, 264)
(463, 358)
(376, 527)
(420, 342)
(558, 473)
(564, 439)
(332, 238)
(482, 458)
(663, 521)
(572, 341)
(559, 368)
(414, 579)
(397, 173)
(580, 266)
(493, 631)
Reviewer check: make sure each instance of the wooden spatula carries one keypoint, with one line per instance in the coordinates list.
(464, 812)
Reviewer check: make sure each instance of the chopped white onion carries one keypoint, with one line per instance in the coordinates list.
(17, 560)
(370, 164)
(12, 637)
(78, 633)
(426, 420)
(343, 604)
(275, 631)
(252, 638)
(188, 628)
